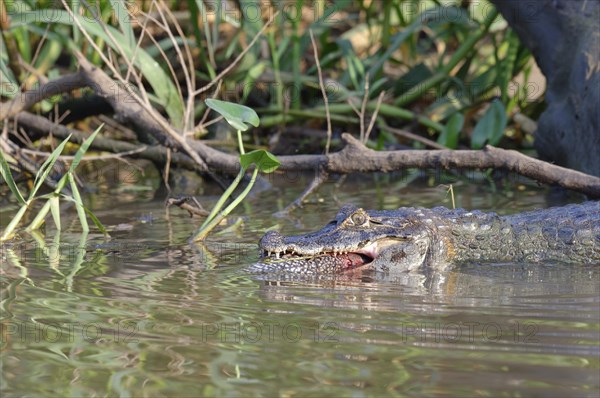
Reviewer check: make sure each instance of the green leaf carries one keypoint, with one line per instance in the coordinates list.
(265, 161)
(236, 115)
(7, 175)
(8, 232)
(78, 203)
(47, 167)
(451, 132)
(160, 81)
(122, 17)
(40, 217)
(76, 159)
(490, 128)
(55, 210)
(83, 149)
(91, 215)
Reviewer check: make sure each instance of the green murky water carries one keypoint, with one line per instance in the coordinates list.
(152, 316)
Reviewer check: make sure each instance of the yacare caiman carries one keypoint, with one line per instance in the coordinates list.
(409, 239)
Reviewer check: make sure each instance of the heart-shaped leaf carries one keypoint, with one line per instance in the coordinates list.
(236, 115)
(265, 161)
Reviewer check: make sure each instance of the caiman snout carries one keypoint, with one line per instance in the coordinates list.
(273, 241)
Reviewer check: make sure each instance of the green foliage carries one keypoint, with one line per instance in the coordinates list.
(52, 199)
(451, 132)
(444, 58)
(264, 161)
(436, 61)
(120, 41)
(237, 116)
(490, 127)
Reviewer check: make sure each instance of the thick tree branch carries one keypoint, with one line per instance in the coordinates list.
(154, 153)
(357, 158)
(129, 106)
(354, 157)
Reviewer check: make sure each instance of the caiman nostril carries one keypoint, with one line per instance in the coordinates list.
(271, 239)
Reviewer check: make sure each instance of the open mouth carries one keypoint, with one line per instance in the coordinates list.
(343, 260)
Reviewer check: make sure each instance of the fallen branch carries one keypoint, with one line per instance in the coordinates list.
(354, 157)
(194, 209)
(157, 154)
(137, 112)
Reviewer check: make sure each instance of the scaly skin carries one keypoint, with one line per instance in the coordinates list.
(408, 238)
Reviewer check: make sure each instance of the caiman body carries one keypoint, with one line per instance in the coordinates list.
(409, 238)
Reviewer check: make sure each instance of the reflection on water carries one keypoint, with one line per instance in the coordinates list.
(147, 314)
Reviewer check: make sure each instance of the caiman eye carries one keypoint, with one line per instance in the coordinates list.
(358, 218)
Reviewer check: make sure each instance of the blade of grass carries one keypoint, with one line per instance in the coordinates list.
(443, 73)
(83, 149)
(78, 203)
(124, 21)
(8, 232)
(39, 219)
(89, 213)
(151, 70)
(7, 176)
(47, 167)
(55, 210)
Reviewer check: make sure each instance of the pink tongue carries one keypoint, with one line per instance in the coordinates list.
(351, 260)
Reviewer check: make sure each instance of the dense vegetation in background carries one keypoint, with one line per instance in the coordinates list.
(392, 73)
(441, 69)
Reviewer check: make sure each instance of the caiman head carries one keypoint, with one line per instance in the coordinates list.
(395, 240)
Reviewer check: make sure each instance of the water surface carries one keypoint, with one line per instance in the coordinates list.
(147, 315)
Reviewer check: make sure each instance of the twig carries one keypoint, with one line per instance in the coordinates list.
(363, 109)
(103, 84)
(411, 136)
(353, 158)
(195, 209)
(374, 116)
(187, 72)
(138, 112)
(238, 58)
(200, 126)
(316, 183)
(158, 154)
(323, 91)
(160, 50)
(145, 99)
